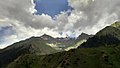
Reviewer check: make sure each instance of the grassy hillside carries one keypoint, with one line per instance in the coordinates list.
(110, 35)
(101, 57)
(29, 46)
(116, 25)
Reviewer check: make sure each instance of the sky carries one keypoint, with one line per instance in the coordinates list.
(51, 8)
(21, 19)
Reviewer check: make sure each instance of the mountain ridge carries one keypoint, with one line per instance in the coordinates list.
(110, 35)
(95, 56)
(34, 45)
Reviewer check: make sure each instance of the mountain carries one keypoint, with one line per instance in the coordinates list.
(99, 51)
(84, 36)
(42, 45)
(110, 35)
(48, 38)
(80, 39)
(33, 45)
(105, 54)
(58, 43)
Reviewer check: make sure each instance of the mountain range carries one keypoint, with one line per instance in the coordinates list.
(87, 51)
(42, 45)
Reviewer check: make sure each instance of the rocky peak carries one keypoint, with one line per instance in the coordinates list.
(46, 37)
(84, 36)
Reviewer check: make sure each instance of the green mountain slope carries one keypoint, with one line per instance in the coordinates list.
(101, 57)
(80, 39)
(116, 25)
(33, 45)
(110, 35)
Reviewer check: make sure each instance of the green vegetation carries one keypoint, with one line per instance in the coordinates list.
(29, 46)
(101, 57)
(108, 36)
(116, 25)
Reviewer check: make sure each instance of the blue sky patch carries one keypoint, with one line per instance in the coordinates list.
(51, 7)
(6, 31)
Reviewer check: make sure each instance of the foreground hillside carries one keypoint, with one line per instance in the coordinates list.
(101, 57)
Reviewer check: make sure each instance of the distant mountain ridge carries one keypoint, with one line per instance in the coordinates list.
(84, 36)
(80, 40)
